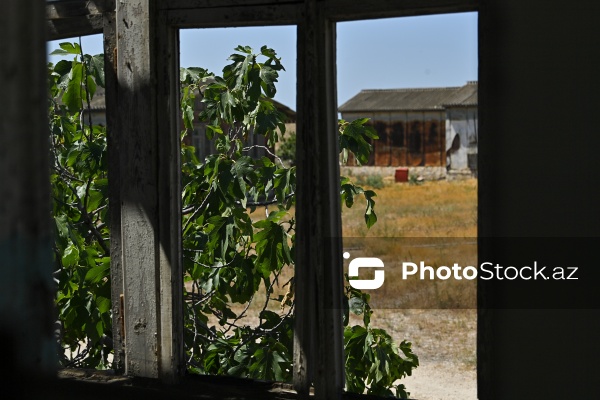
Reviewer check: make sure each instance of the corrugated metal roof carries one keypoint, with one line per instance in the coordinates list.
(412, 99)
(464, 96)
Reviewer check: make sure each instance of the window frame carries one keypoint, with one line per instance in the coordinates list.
(318, 334)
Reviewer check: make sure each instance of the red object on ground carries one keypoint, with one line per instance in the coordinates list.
(402, 175)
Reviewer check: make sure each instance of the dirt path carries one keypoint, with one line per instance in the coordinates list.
(441, 381)
(445, 342)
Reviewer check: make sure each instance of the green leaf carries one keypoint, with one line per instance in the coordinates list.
(238, 370)
(188, 117)
(72, 97)
(91, 86)
(63, 67)
(70, 256)
(269, 77)
(242, 49)
(355, 137)
(96, 65)
(370, 216)
(242, 167)
(357, 305)
(67, 48)
(192, 74)
(99, 329)
(211, 130)
(98, 273)
(270, 318)
(62, 228)
(103, 304)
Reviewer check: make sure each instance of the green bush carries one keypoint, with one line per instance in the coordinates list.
(375, 181)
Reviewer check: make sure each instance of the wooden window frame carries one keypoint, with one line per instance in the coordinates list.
(144, 168)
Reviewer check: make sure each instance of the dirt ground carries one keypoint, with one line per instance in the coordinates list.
(441, 381)
(445, 342)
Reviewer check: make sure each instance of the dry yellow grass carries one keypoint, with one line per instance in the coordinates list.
(436, 223)
(433, 209)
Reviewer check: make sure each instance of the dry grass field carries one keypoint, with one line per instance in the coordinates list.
(430, 209)
(434, 223)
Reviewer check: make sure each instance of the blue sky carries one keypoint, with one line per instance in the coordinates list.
(407, 52)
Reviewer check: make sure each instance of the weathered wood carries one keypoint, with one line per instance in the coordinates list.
(71, 27)
(67, 19)
(75, 18)
(137, 130)
(26, 286)
(318, 344)
(93, 384)
(198, 13)
(150, 193)
(198, 4)
(285, 14)
(346, 10)
(77, 8)
(100, 385)
(112, 130)
(338, 9)
(172, 355)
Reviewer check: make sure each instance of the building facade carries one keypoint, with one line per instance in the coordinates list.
(429, 127)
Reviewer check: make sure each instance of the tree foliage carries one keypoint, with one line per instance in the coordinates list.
(234, 261)
(80, 209)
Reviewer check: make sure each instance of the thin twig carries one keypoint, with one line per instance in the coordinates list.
(196, 212)
(210, 266)
(89, 222)
(268, 202)
(241, 315)
(87, 92)
(246, 149)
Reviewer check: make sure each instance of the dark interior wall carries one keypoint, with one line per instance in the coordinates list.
(539, 83)
(540, 61)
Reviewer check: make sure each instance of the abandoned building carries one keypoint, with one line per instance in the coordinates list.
(197, 136)
(537, 98)
(257, 144)
(429, 127)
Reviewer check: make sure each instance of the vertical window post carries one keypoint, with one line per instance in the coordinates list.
(318, 344)
(149, 191)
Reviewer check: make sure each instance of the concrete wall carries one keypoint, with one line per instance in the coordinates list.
(427, 173)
